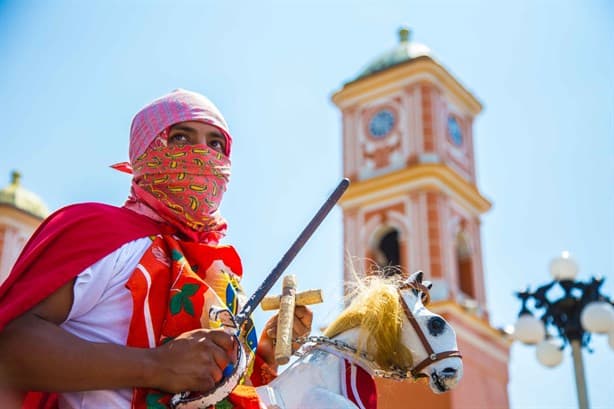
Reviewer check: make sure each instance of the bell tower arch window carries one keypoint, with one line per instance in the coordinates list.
(464, 263)
(385, 248)
(390, 248)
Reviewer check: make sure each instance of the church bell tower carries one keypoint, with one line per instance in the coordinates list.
(408, 147)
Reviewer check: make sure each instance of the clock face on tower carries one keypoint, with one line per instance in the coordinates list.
(454, 131)
(381, 123)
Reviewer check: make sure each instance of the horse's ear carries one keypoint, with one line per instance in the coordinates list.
(416, 277)
(428, 284)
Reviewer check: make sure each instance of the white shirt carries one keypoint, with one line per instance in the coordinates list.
(101, 312)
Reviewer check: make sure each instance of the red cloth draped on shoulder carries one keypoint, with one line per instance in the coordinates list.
(68, 241)
(65, 244)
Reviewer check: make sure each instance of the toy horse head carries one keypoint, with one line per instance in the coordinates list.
(399, 333)
(431, 339)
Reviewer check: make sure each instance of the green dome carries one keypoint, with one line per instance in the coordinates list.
(16, 196)
(403, 52)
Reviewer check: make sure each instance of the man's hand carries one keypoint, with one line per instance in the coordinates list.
(303, 317)
(194, 361)
(37, 354)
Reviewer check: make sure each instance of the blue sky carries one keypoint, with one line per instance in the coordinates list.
(72, 75)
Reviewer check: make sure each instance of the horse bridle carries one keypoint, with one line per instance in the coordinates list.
(432, 356)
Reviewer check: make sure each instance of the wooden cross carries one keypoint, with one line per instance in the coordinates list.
(286, 302)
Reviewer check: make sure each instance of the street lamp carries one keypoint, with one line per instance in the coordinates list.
(580, 311)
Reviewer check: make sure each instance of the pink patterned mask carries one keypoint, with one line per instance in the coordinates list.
(184, 185)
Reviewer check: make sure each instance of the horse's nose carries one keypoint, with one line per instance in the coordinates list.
(448, 371)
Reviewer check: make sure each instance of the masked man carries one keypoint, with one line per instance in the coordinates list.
(111, 307)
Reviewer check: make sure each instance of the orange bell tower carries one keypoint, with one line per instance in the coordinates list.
(408, 149)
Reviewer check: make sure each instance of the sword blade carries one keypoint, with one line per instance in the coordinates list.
(287, 258)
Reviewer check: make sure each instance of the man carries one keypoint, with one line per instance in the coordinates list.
(109, 307)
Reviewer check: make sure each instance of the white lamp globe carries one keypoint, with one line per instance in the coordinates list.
(563, 267)
(529, 329)
(549, 353)
(597, 317)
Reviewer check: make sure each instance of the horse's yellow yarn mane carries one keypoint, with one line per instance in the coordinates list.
(377, 312)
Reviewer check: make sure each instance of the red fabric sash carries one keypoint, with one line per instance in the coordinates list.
(358, 386)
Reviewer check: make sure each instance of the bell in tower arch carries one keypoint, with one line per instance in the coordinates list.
(386, 251)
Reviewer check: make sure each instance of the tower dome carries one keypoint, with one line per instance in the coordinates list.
(14, 195)
(404, 51)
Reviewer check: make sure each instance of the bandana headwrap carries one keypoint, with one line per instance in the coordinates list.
(178, 106)
(182, 186)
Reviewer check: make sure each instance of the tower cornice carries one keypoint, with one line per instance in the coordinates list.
(13, 215)
(433, 176)
(401, 75)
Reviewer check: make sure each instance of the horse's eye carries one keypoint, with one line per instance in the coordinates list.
(436, 325)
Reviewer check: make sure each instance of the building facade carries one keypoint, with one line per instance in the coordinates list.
(21, 211)
(414, 203)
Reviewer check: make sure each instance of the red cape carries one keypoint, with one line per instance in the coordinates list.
(68, 241)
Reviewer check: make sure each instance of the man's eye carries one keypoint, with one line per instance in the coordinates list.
(179, 139)
(217, 145)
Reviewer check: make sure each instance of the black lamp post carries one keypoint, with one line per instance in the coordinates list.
(580, 311)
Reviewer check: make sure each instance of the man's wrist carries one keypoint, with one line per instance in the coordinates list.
(150, 368)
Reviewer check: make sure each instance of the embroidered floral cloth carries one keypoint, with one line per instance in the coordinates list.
(204, 292)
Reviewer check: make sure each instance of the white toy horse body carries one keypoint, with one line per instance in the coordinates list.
(312, 381)
(315, 380)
